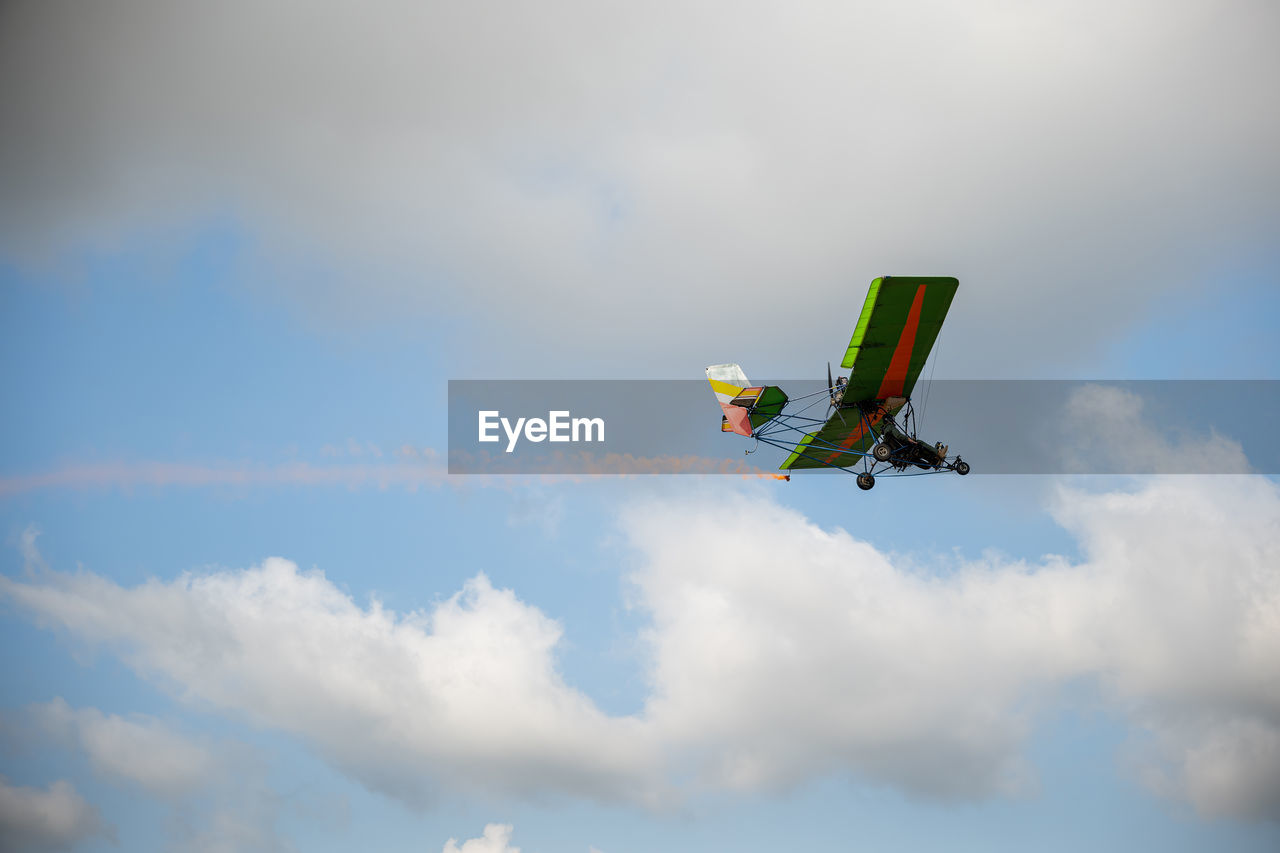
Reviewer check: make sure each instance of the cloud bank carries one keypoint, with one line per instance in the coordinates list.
(779, 651)
(651, 166)
(782, 650)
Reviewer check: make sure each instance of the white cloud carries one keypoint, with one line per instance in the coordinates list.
(496, 839)
(783, 650)
(51, 819)
(780, 651)
(140, 750)
(650, 165)
(467, 693)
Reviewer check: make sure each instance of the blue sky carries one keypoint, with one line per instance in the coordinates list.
(231, 297)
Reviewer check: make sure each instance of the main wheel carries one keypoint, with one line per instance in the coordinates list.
(882, 452)
(962, 467)
(866, 481)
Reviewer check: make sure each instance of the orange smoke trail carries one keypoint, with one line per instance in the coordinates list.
(425, 470)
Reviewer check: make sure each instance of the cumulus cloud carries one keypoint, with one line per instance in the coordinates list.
(651, 165)
(467, 692)
(55, 818)
(778, 651)
(783, 650)
(496, 839)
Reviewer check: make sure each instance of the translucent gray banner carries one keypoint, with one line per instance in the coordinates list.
(997, 426)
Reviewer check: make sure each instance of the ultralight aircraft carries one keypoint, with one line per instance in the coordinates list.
(870, 422)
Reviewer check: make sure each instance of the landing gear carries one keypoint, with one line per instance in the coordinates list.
(961, 467)
(866, 481)
(882, 452)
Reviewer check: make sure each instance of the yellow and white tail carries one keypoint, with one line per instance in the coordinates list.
(745, 407)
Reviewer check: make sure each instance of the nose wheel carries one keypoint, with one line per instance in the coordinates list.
(961, 467)
(866, 481)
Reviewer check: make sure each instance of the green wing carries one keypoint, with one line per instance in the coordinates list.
(841, 442)
(899, 322)
(896, 330)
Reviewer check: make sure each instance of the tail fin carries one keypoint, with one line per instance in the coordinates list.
(745, 407)
(727, 383)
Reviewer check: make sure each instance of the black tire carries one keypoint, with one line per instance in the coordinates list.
(866, 481)
(882, 452)
(962, 468)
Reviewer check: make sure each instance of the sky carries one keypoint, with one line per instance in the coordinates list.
(245, 246)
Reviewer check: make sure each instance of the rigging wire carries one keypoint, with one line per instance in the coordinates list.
(933, 365)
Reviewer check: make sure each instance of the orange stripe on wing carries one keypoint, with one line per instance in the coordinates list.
(853, 438)
(896, 376)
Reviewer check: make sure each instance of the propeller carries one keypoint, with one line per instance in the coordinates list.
(831, 392)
